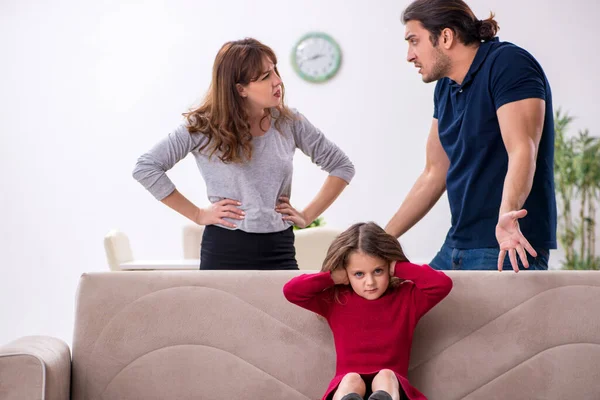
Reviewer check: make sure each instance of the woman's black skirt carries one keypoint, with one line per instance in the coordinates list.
(235, 249)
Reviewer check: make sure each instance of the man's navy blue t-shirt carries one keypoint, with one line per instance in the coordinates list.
(470, 135)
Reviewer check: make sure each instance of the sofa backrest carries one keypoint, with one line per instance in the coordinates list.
(232, 334)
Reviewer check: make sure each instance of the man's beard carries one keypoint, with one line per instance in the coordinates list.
(440, 68)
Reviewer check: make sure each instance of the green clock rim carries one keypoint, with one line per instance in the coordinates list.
(338, 59)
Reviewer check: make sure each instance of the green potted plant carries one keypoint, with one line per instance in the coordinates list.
(577, 179)
(317, 222)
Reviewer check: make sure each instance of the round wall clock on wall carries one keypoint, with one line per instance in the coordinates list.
(316, 57)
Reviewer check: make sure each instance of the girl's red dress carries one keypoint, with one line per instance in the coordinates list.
(371, 335)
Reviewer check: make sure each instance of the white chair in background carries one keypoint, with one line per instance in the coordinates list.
(118, 249)
(192, 240)
(311, 248)
(120, 257)
(312, 245)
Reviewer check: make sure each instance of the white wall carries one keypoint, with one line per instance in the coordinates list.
(86, 87)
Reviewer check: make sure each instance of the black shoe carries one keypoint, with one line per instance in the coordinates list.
(380, 395)
(352, 396)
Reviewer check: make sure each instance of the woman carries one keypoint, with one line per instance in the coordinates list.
(244, 138)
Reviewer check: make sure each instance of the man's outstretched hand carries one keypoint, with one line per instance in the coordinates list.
(512, 241)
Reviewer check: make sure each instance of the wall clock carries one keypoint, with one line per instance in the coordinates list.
(316, 57)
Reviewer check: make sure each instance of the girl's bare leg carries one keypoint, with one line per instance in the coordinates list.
(386, 380)
(350, 383)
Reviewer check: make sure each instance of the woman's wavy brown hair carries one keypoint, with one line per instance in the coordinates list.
(367, 238)
(222, 117)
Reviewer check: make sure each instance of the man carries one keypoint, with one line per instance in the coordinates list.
(491, 143)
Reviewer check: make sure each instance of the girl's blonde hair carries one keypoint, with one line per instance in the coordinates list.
(367, 238)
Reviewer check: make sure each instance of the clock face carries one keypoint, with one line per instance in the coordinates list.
(316, 57)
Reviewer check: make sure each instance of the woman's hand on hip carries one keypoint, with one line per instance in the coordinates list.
(290, 213)
(214, 214)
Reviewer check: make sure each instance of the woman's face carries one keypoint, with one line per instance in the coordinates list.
(266, 91)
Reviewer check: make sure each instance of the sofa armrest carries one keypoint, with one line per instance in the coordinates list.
(35, 367)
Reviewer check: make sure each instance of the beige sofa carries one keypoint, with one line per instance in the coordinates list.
(232, 335)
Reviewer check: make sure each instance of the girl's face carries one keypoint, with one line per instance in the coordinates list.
(265, 92)
(369, 276)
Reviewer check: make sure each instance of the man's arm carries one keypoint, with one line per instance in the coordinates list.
(426, 191)
(521, 124)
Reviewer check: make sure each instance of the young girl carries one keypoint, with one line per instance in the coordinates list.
(373, 318)
(244, 139)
